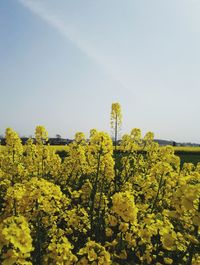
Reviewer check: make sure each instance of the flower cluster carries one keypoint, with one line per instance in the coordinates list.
(15, 241)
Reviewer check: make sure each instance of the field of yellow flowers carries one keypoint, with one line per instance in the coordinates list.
(101, 204)
(96, 207)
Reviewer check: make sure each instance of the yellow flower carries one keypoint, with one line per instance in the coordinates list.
(122, 255)
(116, 114)
(188, 204)
(95, 252)
(83, 261)
(92, 255)
(15, 233)
(59, 252)
(196, 220)
(168, 241)
(124, 206)
(41, 134)
(168, 261)
(123, 227)
(109, 232)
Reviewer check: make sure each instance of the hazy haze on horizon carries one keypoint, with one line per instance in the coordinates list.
(63, 63)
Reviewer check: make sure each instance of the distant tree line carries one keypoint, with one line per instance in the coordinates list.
(52, 140)
(58, 140)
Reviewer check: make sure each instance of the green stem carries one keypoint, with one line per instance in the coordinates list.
(115, 133)
(93, 193)
(158, 191)
(38, 232)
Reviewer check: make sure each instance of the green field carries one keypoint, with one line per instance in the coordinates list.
(187, 149)
(186, 153)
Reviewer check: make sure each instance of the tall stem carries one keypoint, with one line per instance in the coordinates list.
(159, 187)
(116, 132)
(93, 194)
(115, 153)
(38, 236)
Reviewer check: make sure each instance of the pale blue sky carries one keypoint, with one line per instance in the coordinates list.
(63, 63)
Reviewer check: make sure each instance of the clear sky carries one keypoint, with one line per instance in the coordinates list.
(63, 63)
